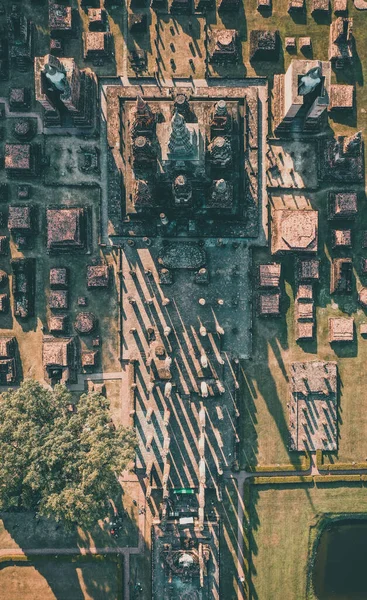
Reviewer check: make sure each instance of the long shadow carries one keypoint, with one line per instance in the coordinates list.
(268, 390)
(269, 67)
(252, 525)
(235, 19)
(353, 74)
(90, 4)
(60, 575)
(299, 17)
(141, 39)
(257, 371)
(322, 17)
(346, 117)
(227, 511)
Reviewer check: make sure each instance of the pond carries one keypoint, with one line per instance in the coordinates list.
(340, 571)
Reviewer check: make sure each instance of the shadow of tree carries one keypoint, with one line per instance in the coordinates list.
(70, 577)
(70, 572)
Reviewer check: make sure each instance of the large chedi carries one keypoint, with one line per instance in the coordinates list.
(182, 140)
(179, 140)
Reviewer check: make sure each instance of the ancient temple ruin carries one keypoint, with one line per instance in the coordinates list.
(313, 406)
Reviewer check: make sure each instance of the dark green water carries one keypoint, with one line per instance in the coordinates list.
(340, 571)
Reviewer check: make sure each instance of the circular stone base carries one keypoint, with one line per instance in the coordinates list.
(85, 323)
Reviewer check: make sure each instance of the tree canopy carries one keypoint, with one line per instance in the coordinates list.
(60, 462)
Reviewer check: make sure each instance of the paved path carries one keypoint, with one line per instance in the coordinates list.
(126, 550)
(62, 131)
(22, 115)
(124, 36)
(82, 378)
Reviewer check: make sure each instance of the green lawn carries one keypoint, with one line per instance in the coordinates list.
(61, 578)
(280, 521)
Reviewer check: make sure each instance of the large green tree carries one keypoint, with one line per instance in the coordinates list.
(60, 462)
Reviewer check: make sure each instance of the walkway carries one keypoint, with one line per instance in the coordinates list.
(22, 115)
(61, 131)
(67, 551)
(83, 377)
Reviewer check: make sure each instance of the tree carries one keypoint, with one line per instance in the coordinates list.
(60, 462)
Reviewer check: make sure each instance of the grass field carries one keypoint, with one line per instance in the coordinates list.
(61, 578)
(280, 521)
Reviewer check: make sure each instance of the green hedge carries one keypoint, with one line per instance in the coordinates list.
(281, 480)
(259, 480)
(14, 558)
(304, 466)
(358, 466)
(336, 478)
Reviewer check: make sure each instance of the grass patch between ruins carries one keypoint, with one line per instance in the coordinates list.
(264, 413)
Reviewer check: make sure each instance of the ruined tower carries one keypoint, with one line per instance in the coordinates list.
(220, 151)
(182, 190)
(180, 141)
